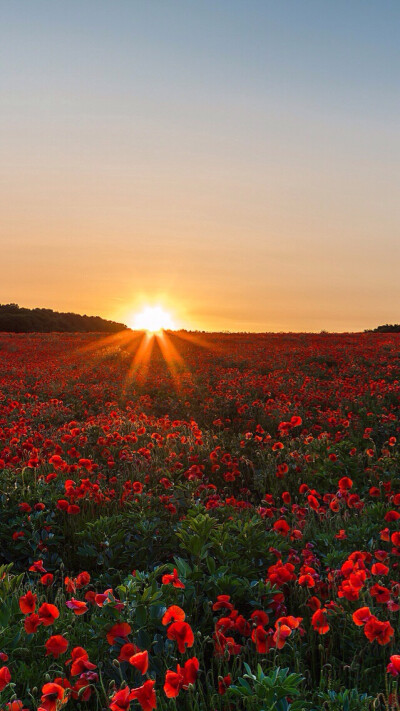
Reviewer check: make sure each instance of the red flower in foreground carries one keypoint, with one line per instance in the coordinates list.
(223, 684)
(260, 637)
(319, 621)
(37, 567)
(48, 613)
(381, 631)
(173, 614)
(361, 616)
(140, 661)
(127, 651)
(53, 697)
(56, 645)
(281, 526)
(223, 603)
(121, 629)
(183, 635)
(77, 606)
(80, 661)
(145, 695)
(31, 623)
(394, 665)
(5, 677)
(175, 681)
(121, 700)
(27, 603)
(172, 578)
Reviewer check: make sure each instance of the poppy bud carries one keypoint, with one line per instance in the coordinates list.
(116, 663)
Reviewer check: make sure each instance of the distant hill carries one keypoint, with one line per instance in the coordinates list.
(20, 320)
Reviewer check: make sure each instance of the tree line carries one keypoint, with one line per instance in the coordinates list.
(16, 319)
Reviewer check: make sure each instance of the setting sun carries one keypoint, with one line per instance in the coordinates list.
(152, 319)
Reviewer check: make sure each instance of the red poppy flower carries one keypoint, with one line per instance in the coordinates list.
(81, 689)
(313, 603)
(392, 516)
(281, 526)
(313, 502)
(27, 603)
(381, 631)
(379, 569)
(345, 483)
(48, 613)
(173, 614)
(183, 635)
(395, 538)
(260, 637)
(319, 621)
(37, 567)
(260, 617)
(361, 616)
(223, 602)
(47, 579)
(78, 606)
(120, 629)
(80, 661)
(16, 705)
(224, 683)
(56, 645)
(5, 677)
(53, 696)
(380, 593)
(394, 665)
(172, 578)
(140, 661)
(127, 651)
(281, 634)
(175, 681)
(306, 581)
(31, 623)
(121, 700)
(146, 695)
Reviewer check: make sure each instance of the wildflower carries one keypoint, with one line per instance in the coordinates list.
(79, 607)
(361, 616)
(175, 681)
(146, 695)
(140, 661)
(319, 621)
(183, 635)
(5, 677)
(27, 603)
(53, 697)
(48, 613)
(56, 645)
(381, 631)
(172, 578)
(120, 629)
(394, 665)
(173, 614)
(31, 623)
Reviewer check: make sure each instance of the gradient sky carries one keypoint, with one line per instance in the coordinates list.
(235, 161)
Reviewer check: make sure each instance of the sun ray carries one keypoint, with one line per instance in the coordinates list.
(141, 360)
(172, 357)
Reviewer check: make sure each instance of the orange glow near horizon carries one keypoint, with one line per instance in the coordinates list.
(152, 319)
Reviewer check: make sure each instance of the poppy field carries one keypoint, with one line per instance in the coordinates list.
(199, 522)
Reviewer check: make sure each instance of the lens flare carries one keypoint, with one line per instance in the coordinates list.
(152, 319)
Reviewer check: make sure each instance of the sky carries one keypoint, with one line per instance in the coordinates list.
(236, 162)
